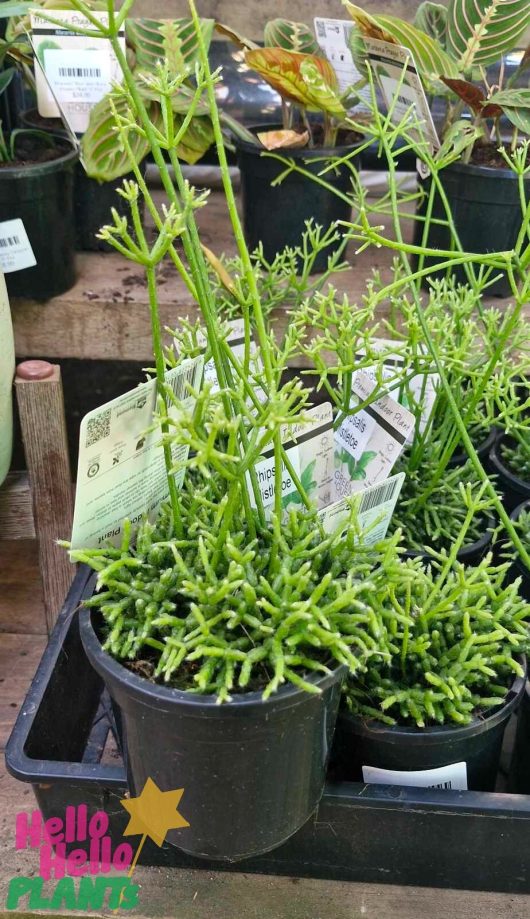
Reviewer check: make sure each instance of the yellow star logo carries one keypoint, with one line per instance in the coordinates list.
(154, 812)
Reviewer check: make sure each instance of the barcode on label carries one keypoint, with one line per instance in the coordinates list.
(97, 428)
(405, 101)
(379, 495)
(7, 241)
(179, 384)
(443, 785)
(80, 72)
(321, 28)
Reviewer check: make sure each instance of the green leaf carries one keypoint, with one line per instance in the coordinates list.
(460, 136)
(5, 78)
(102, 152)
(152, 38)
(430, 57)
(431, 18)
(245, 44)
(481, 31)
(515, 104)
(305, 79)
(197, 140)
(293, 36)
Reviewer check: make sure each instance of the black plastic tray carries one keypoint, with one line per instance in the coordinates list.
(369, 833)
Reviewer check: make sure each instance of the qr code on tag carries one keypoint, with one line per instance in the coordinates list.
(97, 428)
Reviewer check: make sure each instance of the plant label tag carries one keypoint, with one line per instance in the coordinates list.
(391, 428)
(400, 83)
(121, 470)
(236, 340)
(446, 778)
(309, 448)
(375, 506)
(419, 394)
(75, 70)
(15, 248)
(333, 37)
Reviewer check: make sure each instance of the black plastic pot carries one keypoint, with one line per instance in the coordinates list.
(486, 211)
(41, 195)
(93, 201)
(478, 745)
(483, 451)
(519, 776)
(518, 569)
(469, 554)
(514, 490)
(276, 216)
(252, 771)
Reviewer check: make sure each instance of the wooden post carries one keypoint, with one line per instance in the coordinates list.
(41, 409)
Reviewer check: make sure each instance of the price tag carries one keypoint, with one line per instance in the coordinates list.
(447, 778)
(375, 507)
(121, 470)
(15, 248)
(74, 71)
(391, 426)
(333, 38)
(398, 78)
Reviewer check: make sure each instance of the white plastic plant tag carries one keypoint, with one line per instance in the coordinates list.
(447, 778)
(401, 92)
(15, 248)
(422, 387)
(75, 70)
(389, 424)
(309, 449)
(121, 470)
(333, 38)
(375, 507)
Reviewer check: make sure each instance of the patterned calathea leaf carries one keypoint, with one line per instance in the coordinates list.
(430, 57)
(515, 103)
(197, 140)
(152, 39)
(431, 18)
(103, 155)
(479, 32)
(305, 79)
(293, 36)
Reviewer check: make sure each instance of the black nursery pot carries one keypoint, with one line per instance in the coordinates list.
(518, 569)
(519, 775)
(93, 201)
(486, 210)
(483, 451)
(41, 195)
(252, 771)
(514, 490)
(276, 216)
(478, 745)
(470, 554)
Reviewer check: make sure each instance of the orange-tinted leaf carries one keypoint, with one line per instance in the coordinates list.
(283, 70)
(474, 97)
(244, 43)
(275, 140)
(368, 25)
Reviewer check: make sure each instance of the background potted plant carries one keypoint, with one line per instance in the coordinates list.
(474, 203)
(291, 62)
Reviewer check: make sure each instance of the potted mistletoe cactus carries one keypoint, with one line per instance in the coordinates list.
(312, 136)
(474, 203)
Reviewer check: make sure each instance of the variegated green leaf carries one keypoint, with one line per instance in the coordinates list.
(293, 36)
(197, 140)
(103, 155)
(430, 57)
(481, 31)
(515, 104)
(149, 38)
(431, 18)
(305, 79)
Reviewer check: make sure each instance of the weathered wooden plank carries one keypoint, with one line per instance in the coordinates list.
(41, 410)
(21, 600)
(16, 512)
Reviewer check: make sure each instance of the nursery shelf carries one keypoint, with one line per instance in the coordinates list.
(105, 315)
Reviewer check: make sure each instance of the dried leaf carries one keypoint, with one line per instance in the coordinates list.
(275, 140)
